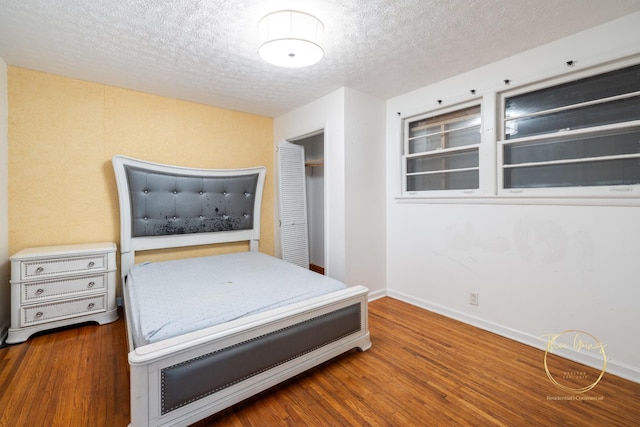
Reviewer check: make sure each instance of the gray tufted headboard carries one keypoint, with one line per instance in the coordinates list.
(163, 206)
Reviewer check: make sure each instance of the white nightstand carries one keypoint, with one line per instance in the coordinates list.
(61, 285)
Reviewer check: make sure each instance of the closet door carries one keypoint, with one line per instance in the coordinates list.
(293, 204)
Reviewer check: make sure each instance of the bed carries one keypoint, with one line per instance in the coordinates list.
(186, 368)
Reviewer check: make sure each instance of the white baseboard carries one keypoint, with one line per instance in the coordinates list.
(623, 370)
(376, 295)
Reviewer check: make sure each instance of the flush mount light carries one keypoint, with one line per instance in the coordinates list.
(290, 39)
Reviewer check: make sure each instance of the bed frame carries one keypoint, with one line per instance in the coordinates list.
(184, 379)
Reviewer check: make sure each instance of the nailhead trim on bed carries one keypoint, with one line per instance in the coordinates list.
(202, 376)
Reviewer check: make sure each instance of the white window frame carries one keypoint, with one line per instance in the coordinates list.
(491, 151)
(476, 102)
(604, 191)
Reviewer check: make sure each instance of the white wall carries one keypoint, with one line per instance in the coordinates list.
(5, 290)
(325, 113)
(538, 269)
(365, 214)
(353, 126)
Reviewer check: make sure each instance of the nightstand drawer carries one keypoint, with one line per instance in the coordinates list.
(32, 315)
(62, 265)
(56, 286)
(59, 288)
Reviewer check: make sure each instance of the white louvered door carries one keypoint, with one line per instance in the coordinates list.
(293, 204)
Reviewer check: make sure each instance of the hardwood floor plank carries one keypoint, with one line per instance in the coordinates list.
(423, 369)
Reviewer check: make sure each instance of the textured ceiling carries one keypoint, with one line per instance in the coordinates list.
(205, 50)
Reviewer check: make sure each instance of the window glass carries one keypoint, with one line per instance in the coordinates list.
(611, 143)
(443, 162)
(425, 143)
(584, 133)
(462, 137)
(590, 116)
(613, 83)
(593, 173)
(443, 181)
(442, 151)
(444, 131)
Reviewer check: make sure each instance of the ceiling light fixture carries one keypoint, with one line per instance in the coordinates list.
(290, 39)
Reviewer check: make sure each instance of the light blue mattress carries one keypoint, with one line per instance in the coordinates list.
(171, 298)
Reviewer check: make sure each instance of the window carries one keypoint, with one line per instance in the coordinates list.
(571, 139)
(441, 152)
(580, 134)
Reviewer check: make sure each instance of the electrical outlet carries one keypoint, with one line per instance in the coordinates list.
(473, 298)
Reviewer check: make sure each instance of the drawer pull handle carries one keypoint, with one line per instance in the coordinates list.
(92, 264)
(91, 284)
(39, 270)
(90, 306)
(39, 291)
(38, 315)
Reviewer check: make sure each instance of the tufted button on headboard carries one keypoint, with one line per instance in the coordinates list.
(165, 204)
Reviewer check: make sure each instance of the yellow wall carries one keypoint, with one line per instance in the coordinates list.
(64, 132)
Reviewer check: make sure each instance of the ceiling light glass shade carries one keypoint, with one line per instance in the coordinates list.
(290, 39)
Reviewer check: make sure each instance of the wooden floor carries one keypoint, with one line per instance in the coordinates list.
(423, 369)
